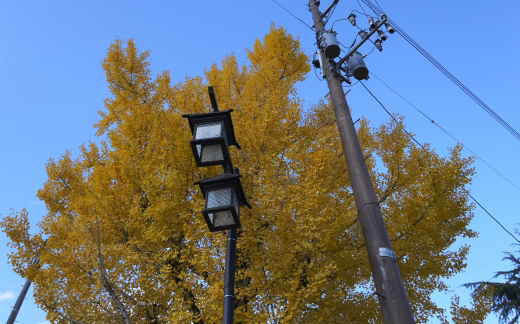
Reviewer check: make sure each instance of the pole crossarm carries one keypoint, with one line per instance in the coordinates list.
(358, 45)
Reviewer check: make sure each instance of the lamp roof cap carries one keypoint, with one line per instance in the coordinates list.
(214, 116)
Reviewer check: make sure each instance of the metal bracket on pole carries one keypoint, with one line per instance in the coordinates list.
(342, 78)
(329, 8)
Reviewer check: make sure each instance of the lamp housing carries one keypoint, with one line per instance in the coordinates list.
(224, 195)
(212, 134)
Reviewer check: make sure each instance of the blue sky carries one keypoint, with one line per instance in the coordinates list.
(52, 84)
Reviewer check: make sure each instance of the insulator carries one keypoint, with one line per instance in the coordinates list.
(357, 66)
(389, 28)
(329, 44)
(352, 19)
(377, 22)
(383, 16)
(370, 23)
(363, 34)
(381, 34)
(379, 45)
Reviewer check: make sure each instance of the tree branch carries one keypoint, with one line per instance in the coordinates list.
(104, 281)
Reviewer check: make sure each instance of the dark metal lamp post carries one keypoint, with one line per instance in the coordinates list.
(212, 135)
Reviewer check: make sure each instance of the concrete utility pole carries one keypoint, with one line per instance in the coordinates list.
(19, 301)
(388, 282)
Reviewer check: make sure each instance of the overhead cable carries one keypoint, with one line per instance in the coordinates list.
(411, 136)
(303, 22)
(445, 131)
(447, 73)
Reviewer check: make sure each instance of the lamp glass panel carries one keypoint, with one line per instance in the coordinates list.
(219, 197)
(210, 153)
(222, 218)
(208, 130)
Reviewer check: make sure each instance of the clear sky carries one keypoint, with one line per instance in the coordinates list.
(52, 84)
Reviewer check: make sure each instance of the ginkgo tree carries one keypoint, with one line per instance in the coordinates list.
(124, 240)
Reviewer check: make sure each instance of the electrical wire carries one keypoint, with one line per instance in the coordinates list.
(392, 116)
(330, 14)
(376, 12)
(371, 50)
(350, 85)
(379, 5)
(362, 7)
(321, 79)
(413, 138)
(335, 21)
(303, 22)
(345, 46)
(448, 74)
(361, 13)
(445, 131)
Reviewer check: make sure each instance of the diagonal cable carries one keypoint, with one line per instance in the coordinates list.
(409, 134)
(447, 73)
(445, 131)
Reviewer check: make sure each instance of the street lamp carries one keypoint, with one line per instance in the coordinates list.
(224, 195)
(212, 134)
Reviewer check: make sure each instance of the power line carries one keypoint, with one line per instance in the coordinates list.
(379, 5)
(303, 22)
(362, 7)
(409, 134)
(392, 116)
(445, 131)
(447, 73)
(361, 13)
(505, 229)
(330, 14)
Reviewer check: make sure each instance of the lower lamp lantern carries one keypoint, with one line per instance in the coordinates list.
(224, 195)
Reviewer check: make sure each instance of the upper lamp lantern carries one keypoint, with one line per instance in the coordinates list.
(224, 195)
(212, 134)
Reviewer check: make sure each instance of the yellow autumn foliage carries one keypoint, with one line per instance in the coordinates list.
(126, 241)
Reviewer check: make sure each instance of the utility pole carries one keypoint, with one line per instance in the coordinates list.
(389, 286)
(19, 301)
(21, 297)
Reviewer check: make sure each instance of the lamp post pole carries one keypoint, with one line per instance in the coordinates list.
(389, 286)
(231, 250)
(229, 279)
